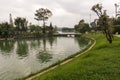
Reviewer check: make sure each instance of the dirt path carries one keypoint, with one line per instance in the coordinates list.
(47, 70)
(117, 35)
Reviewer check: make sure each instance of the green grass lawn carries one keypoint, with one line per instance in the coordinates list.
(101, 63)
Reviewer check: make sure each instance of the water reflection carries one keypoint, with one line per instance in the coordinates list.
(22, 48)
(44, 44)
(6, 46)
(51, 40)
(82, 41)
(44, 56)
(35, 43)
(19, 58)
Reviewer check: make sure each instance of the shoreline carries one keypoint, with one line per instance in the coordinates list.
(69, 59)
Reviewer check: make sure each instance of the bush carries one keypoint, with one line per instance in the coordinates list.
(117, 29)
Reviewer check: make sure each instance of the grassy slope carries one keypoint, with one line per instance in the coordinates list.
(101, 63)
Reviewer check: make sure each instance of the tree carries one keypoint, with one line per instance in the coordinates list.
(66, 29)
(104, 21)
(6, 30)
(94, 25)
(116, 29)
(18, 23)
(50, 29)
(35, 28)
(24, 24)
(82, 27)
(116, 23)
(55, 29)
(43, 15)
(21, 24)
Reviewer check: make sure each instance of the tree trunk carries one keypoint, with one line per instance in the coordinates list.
(108, 36)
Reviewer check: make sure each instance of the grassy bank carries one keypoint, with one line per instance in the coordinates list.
(101, 63)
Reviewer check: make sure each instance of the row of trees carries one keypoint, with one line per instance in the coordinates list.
(21, 29)
(20, 25)
(115, 22)
(6, 30)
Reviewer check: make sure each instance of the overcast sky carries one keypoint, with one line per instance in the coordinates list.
(66, 13)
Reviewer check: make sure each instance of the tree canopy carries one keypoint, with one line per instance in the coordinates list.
(43, 15)
(21, 24)
(82, 27)
(103, 21)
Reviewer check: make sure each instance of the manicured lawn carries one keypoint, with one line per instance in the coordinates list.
(101, 63)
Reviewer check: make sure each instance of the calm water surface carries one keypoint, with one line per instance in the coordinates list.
(20, 58)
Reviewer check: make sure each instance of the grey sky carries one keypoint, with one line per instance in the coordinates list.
(66, 13)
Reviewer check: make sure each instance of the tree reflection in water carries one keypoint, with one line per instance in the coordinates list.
(22, 48)
(6, 46)
(82, 41)
(25, 56)
(51, 40)
(44, 56)
(35, 43)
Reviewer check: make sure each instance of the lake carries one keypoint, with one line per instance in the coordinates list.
(20, 58)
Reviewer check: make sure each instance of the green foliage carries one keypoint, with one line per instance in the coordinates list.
(116, 29)
(116, 21)
(65, 29)
(21, 24)
(101, 63)
(55, 29)
(43, 15)
(6, 30)
(95, 25)
(104, 22)
(44, 56)
(35, 28)
(6, 46)
(82, 27)
(21, 28)
(22, 49)
(50, 29)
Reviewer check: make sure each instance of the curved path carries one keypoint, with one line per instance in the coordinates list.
(64, 62)
(117, 35)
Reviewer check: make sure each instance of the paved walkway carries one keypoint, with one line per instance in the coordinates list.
(64, 62)
(117, 35)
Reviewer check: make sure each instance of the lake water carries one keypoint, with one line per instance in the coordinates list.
(20, 58)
